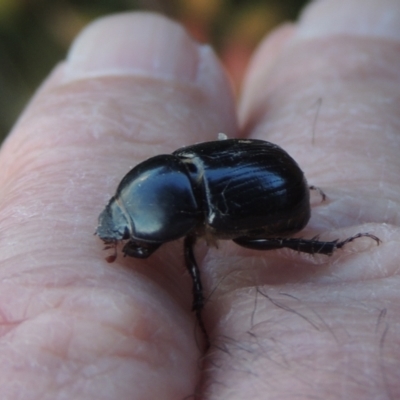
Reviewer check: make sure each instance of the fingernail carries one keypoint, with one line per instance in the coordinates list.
(374, 18)
(133, 44)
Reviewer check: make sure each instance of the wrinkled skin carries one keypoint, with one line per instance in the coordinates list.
(282, 325)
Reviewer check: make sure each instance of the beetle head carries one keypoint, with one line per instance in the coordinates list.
(113, 225)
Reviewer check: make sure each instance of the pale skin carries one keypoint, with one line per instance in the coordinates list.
(282, 325)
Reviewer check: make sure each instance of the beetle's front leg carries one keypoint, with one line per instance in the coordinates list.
(140, 250)
(310, 246)
(198, 297)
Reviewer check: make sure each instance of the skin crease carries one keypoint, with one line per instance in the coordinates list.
(282, 325)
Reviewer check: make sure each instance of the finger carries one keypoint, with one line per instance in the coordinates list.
(348, 144)
(281, 316)
(133, 86)
(326, 92)
(352, 69)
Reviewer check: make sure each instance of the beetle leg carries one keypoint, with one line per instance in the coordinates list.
(140, 250)
(198, 297)
(310, 246)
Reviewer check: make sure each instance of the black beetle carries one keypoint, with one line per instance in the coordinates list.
(250, 191)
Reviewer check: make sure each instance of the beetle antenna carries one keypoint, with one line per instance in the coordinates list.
(112, 257)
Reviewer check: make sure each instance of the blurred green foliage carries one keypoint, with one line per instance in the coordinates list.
(36, 34)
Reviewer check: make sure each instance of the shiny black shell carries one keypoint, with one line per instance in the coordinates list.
(223, 189)
(249, 187)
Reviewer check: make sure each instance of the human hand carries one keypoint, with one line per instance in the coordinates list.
(282, 324)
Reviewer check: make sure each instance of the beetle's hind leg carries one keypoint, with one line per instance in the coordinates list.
(310, 246)
(198, 297)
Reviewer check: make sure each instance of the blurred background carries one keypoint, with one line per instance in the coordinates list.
(36, 34)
